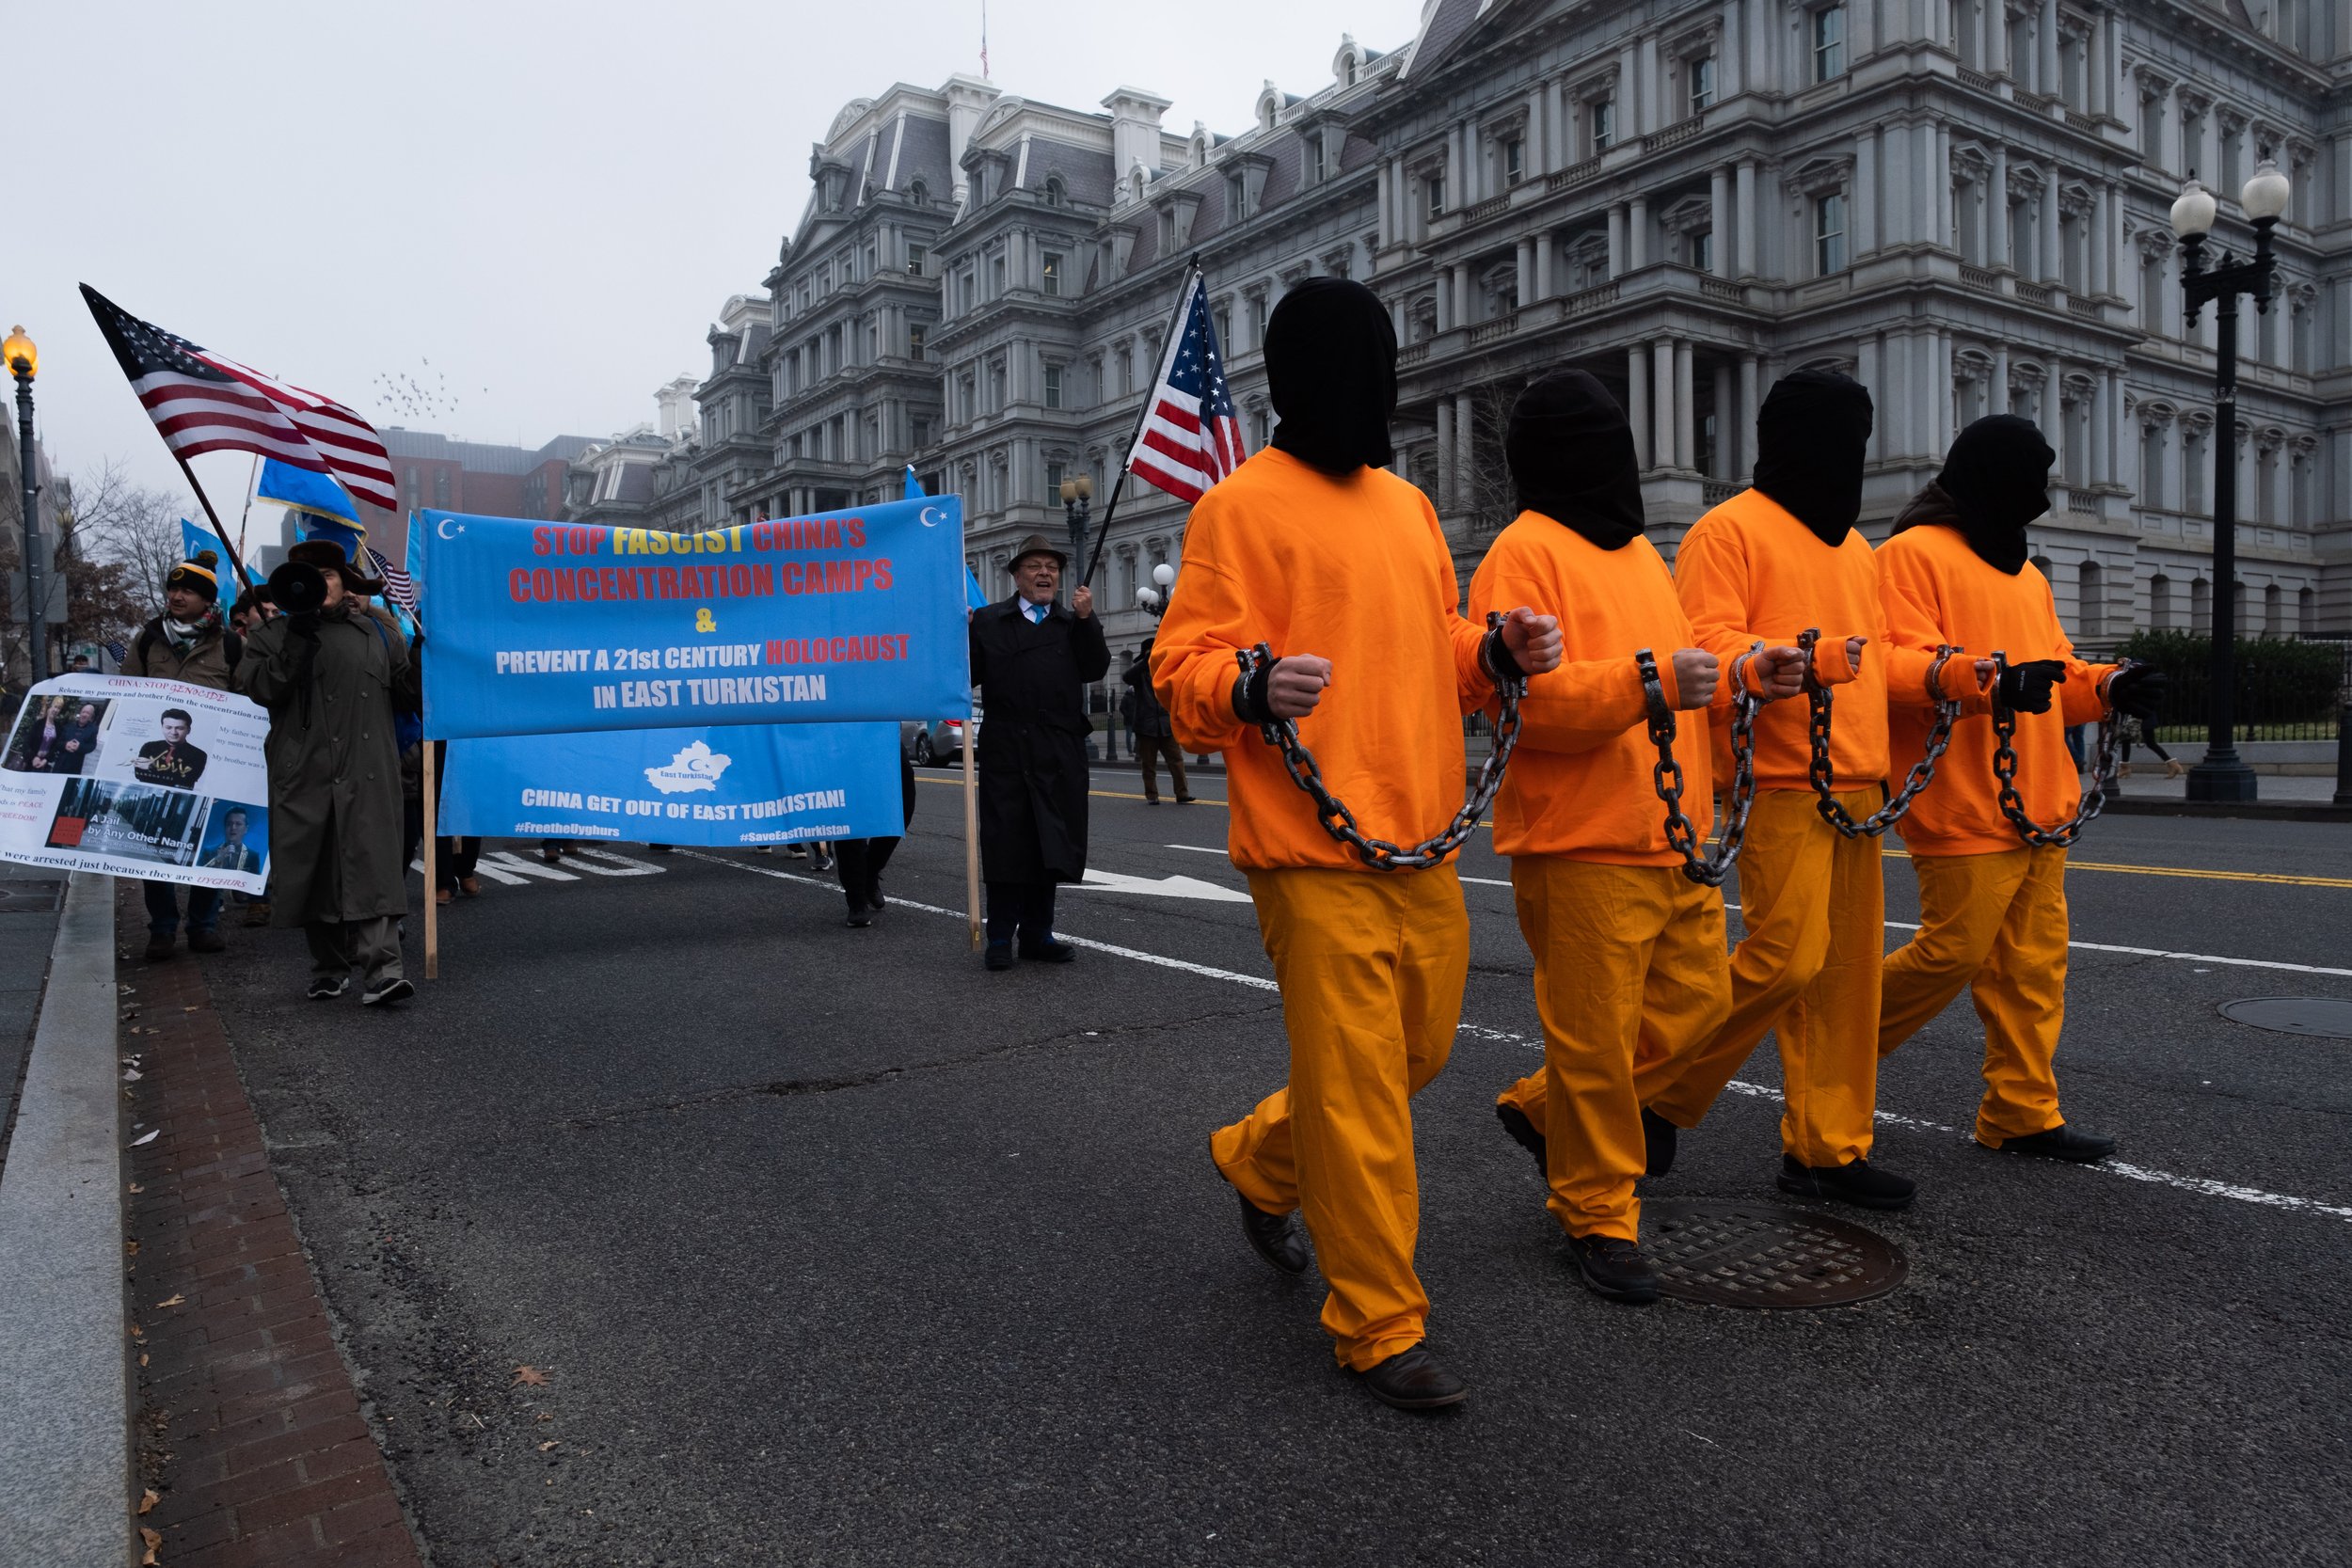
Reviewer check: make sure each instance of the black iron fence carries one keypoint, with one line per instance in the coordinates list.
(2286, 688)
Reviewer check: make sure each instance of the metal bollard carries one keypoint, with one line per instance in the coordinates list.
(2344, 757)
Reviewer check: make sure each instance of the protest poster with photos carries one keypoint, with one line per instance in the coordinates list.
(138, 778)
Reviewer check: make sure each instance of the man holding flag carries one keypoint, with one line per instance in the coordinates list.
(186, 643)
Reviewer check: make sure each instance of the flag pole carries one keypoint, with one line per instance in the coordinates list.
(432, 869)
(218, 533)
(971, 826)
(252, 487)
(1176, 329)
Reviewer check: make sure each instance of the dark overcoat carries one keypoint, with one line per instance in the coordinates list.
(1149, 718)
(1032, 756)
(334, 765)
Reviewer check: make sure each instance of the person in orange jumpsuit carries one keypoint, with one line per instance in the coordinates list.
(1313, 549)
(1993, 907)
(1631, 967)
(1774, 559)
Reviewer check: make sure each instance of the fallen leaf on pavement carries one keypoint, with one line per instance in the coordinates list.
(131, 1247)
(145, 1137)
(172, 1301)
(142, 1358)
(148, 1500)
(531, 1376)
(550, 1443)
(136, 1188)
(154, 1540)
(191, 1010)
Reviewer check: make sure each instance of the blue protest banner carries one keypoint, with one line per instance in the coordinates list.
(543, 628)
(743, 784)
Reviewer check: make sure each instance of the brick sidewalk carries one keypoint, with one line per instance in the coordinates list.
(250, 1431)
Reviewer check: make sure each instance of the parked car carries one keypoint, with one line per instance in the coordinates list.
(936, 744)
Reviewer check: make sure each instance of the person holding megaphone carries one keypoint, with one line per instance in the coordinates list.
(333, 670)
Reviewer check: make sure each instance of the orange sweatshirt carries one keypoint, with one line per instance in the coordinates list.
(1579, 784)
(1938, 590)
(1749, 572)
(1357, 571)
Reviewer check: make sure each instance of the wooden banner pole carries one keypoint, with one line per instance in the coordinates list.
(432, 870)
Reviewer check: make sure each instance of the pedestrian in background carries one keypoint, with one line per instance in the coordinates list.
(332, 678)
(860, 861)
(1031, 659)
(1155, 737)
(186, 643)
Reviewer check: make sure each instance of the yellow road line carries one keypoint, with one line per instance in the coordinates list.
(2196, 874)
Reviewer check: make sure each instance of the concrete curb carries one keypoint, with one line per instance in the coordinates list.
(65, 1454)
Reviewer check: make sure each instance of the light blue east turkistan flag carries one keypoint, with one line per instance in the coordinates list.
(305, 491)
(973, 597)
(193, 539)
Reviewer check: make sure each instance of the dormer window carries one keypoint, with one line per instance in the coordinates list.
(1057, 195)
(918, 194)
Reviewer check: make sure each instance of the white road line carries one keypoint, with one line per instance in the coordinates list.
(2086, 946)
(2203, 1185)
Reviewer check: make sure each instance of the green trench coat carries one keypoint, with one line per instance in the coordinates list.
(334, 766)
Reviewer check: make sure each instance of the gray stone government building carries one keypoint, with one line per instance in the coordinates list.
(1961, 202)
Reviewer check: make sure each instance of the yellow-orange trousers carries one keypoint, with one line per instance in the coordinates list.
(1995, 924)
(1630, 971)
(1807, 971)
(1371, 967)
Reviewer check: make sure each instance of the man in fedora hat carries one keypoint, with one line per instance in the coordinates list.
(1032, 659)
(332, 674)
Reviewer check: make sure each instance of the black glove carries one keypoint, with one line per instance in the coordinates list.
(2139, 690)
(2026, 687)
(1250, 703)
(304, 624)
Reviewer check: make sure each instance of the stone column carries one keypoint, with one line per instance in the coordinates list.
(1637, 401)
(1940, 167)
(1536, 157)
(1927, 176)
(1616, 241)
(1744, 417)
(1686, 439)
(1862, 225)
(1644, 87)
(1462, 313)
(1523, 270)
(1997, 251)
(1719, 225)
(2105, 244)
(1726, 447)
(1637, 233)
(2045, 229)
(1746, 217)
(1457, 193)
(1465, 448)
(1444, 497)
(2052, 417)
(1865, 370)
(1663, 403)
(1445, 300)
(1996, 60)
(1545, 283)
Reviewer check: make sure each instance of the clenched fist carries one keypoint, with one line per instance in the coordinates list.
(1697, 675)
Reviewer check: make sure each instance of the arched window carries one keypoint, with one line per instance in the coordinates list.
(2200, 606)
(2160, 602)
(918, 194)
(2274, 611)
(2306, 612)
(2090, 607)
(1057, 194)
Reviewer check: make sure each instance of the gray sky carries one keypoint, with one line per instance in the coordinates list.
(547, 202)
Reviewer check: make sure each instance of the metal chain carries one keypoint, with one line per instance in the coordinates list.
(1922, 772)
(1708, 870)
(2093, 800)
(1341, 823)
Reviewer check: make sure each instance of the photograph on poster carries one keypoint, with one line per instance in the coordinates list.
(55, 734)
(231, 834)
(174, 762)
(133, 822)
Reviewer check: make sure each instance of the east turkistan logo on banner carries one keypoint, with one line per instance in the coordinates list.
(696, 767)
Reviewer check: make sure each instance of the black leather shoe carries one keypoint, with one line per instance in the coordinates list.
(1524, 1135)
(1615, 1269)
(1413, 1380)
(874, 899)
(1276, 1238)
(1857, 1182)
(2062, 1142)
(860, 917)
(1658, 1142)
(999, 955)
(1048, 952)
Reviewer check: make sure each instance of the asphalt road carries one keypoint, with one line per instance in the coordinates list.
(833, 1248)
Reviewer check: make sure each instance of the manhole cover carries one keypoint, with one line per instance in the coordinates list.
(2327, 1017)
(1760, 1255)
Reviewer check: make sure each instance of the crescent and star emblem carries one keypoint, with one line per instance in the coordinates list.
(441, 528)
(930, 521)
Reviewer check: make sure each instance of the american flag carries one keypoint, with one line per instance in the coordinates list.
(399, 586)
(1191, 438)
(203, 403)
(119, 650)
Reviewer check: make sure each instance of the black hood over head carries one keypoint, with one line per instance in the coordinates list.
(1331, 369)
(1571, 456)
(1811, 438)
(1998, 475)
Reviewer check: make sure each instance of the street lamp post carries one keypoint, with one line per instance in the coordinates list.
(24, 360)
(2221, 774)
(1078, 494)
(1156, 599)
